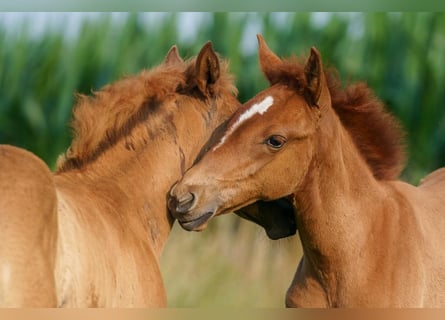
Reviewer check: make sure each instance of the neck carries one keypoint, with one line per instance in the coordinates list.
(333, 215)
(127, 187)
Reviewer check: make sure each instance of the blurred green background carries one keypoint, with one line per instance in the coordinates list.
(401, 56)
(46, 58)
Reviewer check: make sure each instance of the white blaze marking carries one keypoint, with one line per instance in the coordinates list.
(257, 108)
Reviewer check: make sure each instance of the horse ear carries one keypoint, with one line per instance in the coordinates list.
(207, 70)
(313, 72)
(173, 56)
(268, 60)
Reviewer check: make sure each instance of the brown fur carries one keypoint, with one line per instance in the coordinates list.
(91, 234)
(368, 240)
(28, 236)
(376, 133)
(101, 120)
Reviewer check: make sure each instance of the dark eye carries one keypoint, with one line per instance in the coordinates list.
(275, 141)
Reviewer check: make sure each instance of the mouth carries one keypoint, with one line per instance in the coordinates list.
(197, 224)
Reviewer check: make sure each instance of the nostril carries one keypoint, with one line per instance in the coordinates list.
(185, 202)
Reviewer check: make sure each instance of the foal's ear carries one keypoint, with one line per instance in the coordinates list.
(173, 56)
(268, 60)
(207, 70)
(313, 72)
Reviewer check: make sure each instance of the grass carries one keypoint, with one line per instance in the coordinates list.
(230, 264)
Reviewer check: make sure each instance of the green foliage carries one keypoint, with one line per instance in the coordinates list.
(40, 76)
(401, 56)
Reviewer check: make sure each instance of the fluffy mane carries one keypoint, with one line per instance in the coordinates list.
(376, 133)
(110, 114)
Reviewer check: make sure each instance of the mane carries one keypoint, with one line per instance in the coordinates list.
(110, 114)
(376, 133)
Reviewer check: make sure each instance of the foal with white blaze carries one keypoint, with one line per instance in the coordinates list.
(368, 239)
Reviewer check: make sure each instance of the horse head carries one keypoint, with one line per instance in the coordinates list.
(267, 147)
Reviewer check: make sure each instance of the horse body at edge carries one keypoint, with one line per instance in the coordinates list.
(91, 234)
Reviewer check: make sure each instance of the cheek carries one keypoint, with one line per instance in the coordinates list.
(300, 164)
(285, 173)
(242, 164)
